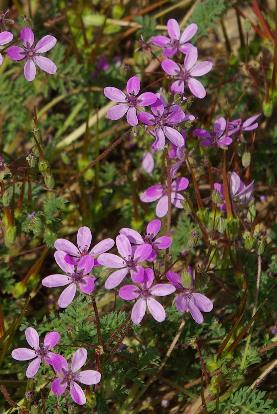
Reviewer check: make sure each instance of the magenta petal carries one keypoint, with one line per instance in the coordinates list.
(133, 85)
(79, 359)
(196, 88)
(138, 311)
(224, 141)
(59, 363)
(67, 296)
(162, 206)
(45, 64)
(173, 29)
(201, 68)
(146, 118)
(27, 36)
(162, 289)
(84, 238)
(174, 136)
(132, 118)
(170, 67)
(117, 111)
(45, 43)
(33, 368)
(129, 292)
(152, 193)
(5, 37)
(147, 98)
(202, 302)
(23, 354)
(102, 247)
(159, 143)
(89, 377)
(188, 33)
(124, 246)
(156, 309)
(58, 387)
(16, 53)
(170, 52)
(85, 264)
(180, 184)
(163, 242)
(160, 41)
(77, 394)
(174, 278)
(114, 94)
(178, 87)
(87, 285)
(115, 278)
(51, 339)
(56, 281)
(32, 337)
(153, 227)
(111, 261)
(191, 58)
(133, 236)
(142, 252)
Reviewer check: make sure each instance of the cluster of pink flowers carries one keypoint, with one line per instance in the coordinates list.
(29, 52)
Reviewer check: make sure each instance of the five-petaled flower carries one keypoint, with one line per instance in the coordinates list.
(176, 42)
(129, 102)
(160, 192)
(144, 292)
(40, 353)
(184, 75)
(32, 53)
(5, 37)
(76, 277)
(188, 300)
(218, 137)
(128, 261)
(69, 376)
(240, 193)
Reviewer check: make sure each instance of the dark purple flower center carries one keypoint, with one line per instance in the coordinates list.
(145, 293)
(131, 263)
(42, 352)
(132, 100)
(77, 276)
(68, 376)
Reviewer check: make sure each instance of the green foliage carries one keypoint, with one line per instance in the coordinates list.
(206, 15)
(248, 401)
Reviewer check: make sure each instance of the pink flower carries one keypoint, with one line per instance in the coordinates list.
(144, 291)
(238, 126)
(39, 353)
(76, 277)
(240, 193)
(5, 37)
(70, 376)
(84, 237)
(218, 137)
(176, 42)
(148, 163)
(152, 229)
(32, 53)
(127, 262)
(159, 192)
(188, 300)
(128, 102)
(185, 75)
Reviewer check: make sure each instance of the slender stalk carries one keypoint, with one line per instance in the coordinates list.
(98, 325)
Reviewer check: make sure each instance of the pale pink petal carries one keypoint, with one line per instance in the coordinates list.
(129, 292)
(102, 247)
(153, 227)
(235, 182)
(84, 238)
(160, 140)
(114, 94)
(27, 36)
(79, 359)
(133, 85)
(178, 87)
(248, 122)
(191, 58)
(115, 278)
(201, 68)
(148, 162)
(147, 98)
(67, 296)
(45, 64)
(173, 29)
(174, 136)
(87, 285)
(5, 37)
(181, 303)
(58, 387)
(77, 394)
(111, 261)
(67, 247)
(146, 118)
(162, 206)
(56, 281)
(51, 339)
(202, 302)
(133, 236)
(117, 111)
(132, 118)
(138, 311)
(160, 41)
(163, 242)
(89, 377)
(152, 193)
(45, 43)
(195, 312)
(196, 88)
(162, 289)
(177, 200)
(32, 337)
(170, 67)
(16, 53)
(188, 33)
(156, 309)
(33, 368)
(29, 70)
(23, 354)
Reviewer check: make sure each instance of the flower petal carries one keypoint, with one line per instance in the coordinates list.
(201, 68)
(115, 278)
(170, 67)
(58, 386)
(133, 85)
(23, 354)
(148, 163)
(173, 29)
(111, 261)
(79, 359)
(117, 111)
(174, 136)
(56, 281)
(152, 193)
(89, 377)
(160, 41)
(27, 36)
(85, 264)
(30, 70)
(45, 64)
(138, 311)
(142, 252)
(67, 247)
(202, 302)
(102, 247)
(45, 43)
(174, 278)
(195, 312)
(146, 118)
(133, 236)
(51, 339)
(84, 238)
(87, 285)
(156, 309)
(189, 32)
(33, 368)
(5, 37)
(159, 143)
(147, 98)
(67, 296)
(77, 394)
(180, 184)
(132, 118)
(162, 206)
(235, 182)
(32, 337)
(178, 87)
(191, 58)
(16, 53)
(249, 122)
(114, 94)
(59, 363)
(196, 88)
(162, 289)
(163, 242)
(129, 292)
